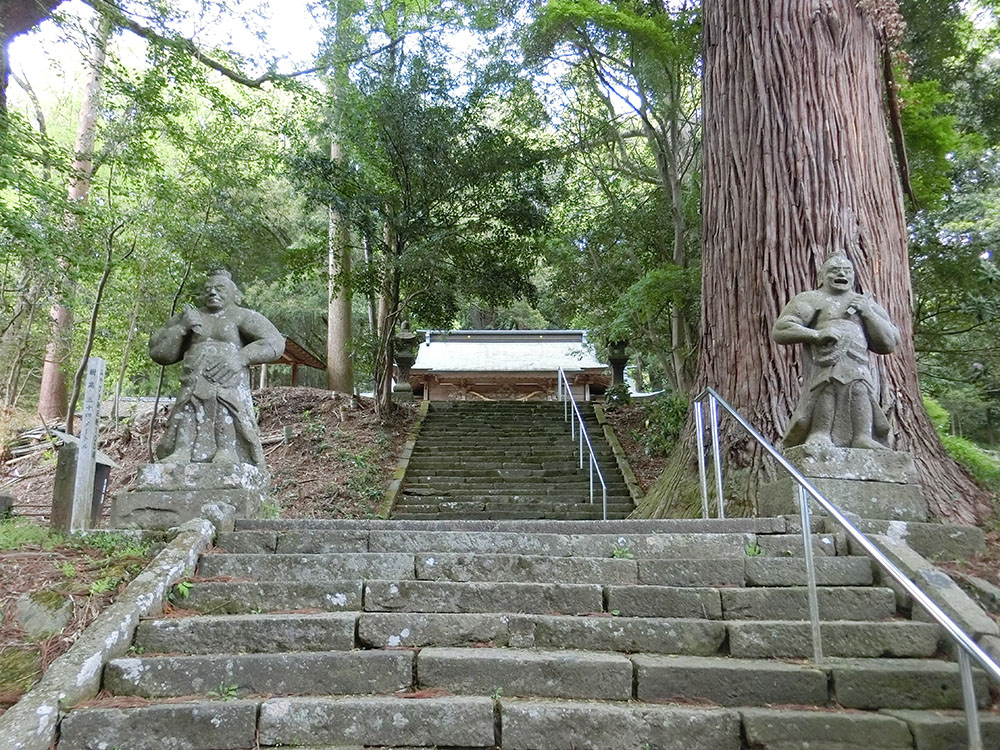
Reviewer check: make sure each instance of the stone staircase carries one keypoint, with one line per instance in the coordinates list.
(507, 460)
(519, 635)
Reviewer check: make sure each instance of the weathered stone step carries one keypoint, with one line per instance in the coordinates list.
(487, 467)
(851, 683)
(292, 567)
(539, 448)
(490, 514)
(537, 538)
(555, 478)
(601, 632)
(520, 504)
(585, 725)
(335, 631)
(412, 596)
(526, 502)
(373, 721)
(250, 633)
(777, 525)
(432, 486)
(468, 722)
(494, 462)
(793, 640)
(841, 603)
(196, 725)
(230, 675)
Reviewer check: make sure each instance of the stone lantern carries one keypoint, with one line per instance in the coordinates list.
(405, 345)
(618, 359)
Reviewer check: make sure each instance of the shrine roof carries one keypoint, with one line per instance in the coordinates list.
(506, 351)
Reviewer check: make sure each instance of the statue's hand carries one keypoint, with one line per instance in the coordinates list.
(827, 337)
(225, 372)
(191, 319)
(861, 304)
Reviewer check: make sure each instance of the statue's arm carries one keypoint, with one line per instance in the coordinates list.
(883, 335)
(166, 344)
(264, 342)
(793, 325)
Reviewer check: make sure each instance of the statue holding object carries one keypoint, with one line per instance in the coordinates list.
(838, 327)
(212, 420)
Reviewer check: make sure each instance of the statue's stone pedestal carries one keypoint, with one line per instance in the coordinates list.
(168, 495)
(879, 484)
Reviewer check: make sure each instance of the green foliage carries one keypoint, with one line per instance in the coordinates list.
(16, 533)
(621, 550)
(983, 467)
(181, 590)
(666, 416)
(616, 396)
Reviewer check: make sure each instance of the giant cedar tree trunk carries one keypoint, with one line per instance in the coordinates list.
(797, 164)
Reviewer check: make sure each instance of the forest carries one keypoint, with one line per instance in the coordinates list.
(662, 172)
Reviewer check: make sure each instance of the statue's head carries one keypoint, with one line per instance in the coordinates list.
(221, 291)
(836, 275)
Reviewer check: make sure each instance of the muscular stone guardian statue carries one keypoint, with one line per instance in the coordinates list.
(838, 328)
(212, 420)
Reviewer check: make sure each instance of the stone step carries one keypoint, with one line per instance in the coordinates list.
(643, 527)
(793, 640)
(194, 725)
(521, 506)
(485, 474)
(344, 631)
(250, 633)
(396, 723)
(504, 462)
(869, 684)
(537, 538)
(450, 566)
(432, 486)
(438, 515)
(383, 671)
(236, 597)
(315, 536)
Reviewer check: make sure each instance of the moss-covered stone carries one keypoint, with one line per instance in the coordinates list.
(44, 612)
(19, 669)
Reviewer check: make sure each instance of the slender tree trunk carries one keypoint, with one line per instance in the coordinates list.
(797, 164)
(133, 323)
(339, 367)
(52, 392)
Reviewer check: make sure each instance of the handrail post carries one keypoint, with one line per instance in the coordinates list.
(581, 443)
(713, 413)
(968, 649)
(590, 465)
(969, 699)
(699, 428)
(817, 637)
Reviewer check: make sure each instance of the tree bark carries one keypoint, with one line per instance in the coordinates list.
(52, 399)
(339, 368)
(797, 164)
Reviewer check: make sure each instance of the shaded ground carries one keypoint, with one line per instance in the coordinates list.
(329, 457)
(629, 423)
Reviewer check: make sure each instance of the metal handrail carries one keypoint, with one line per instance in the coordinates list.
(969, 648)
(566, 396)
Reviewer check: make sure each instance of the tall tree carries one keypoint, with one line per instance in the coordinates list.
(52, 397)
(339, 364)
(796, 164)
